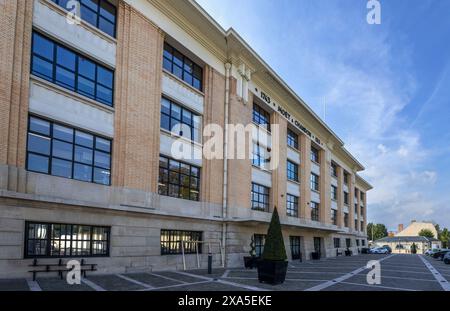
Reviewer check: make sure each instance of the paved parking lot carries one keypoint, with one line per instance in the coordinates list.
(398, 273)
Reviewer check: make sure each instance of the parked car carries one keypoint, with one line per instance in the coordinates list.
(433, 251)
(379, 250)
(428, 252)
(389, 249)
(440, 255)
(447, 258)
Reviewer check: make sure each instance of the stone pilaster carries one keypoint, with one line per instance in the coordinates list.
(305, 168)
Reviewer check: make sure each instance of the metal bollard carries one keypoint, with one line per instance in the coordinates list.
(209, 263)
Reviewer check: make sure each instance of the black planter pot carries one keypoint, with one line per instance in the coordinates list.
(250, 262)
(315, 255)
(348, 253)
(272, 272)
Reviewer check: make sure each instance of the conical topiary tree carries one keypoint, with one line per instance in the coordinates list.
(274, 246)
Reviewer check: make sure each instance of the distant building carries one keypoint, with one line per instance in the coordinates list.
(415, 227)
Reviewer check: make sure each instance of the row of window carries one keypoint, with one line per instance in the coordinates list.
(348, 242)
(99, 13)
(68, 69)
(294, 241)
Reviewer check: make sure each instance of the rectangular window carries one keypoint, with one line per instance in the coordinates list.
(361, 208)
(348, 242)
(65, 240)
(334, 217)
(292, 205)
(346, 178)
(292, 171)
(315, 155)
(363, 242)
(346, 220)
(292, 139)
(261, 117)
(361, 196)
(55, 63)
(315, 211)
(62, 151)
(260, 239)
(172, 240)
(357, 242)
(295, 247)
(356, 224)
(314, 182)
(182, 67)
(178, 179)
(260, 156)
(180, 121)
(337, 242)
(334, 193)
(99, 13)
(260, 198)
(346, 198)
(356, 209)
(333, 169)
(362, 226)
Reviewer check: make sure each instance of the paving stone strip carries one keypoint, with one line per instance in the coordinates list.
(343, 278)
(442, 281)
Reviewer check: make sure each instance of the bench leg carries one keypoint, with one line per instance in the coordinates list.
(34, 276)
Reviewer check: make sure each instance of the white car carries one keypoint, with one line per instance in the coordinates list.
(379, 250)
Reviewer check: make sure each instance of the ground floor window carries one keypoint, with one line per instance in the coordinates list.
(337, 242)
(260, 239)
(65, 240)
(317, 244)
(171, 241)
(363, 242)
(348, 242)
(295, 247)
(357, 242)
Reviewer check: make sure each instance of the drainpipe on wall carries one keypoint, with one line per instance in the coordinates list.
(225, 160)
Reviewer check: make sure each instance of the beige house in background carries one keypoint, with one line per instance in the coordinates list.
(415, 227)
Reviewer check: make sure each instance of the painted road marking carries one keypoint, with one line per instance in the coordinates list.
(92, 285)
(444, 283)
(34, 286)
(133, 281)
(167, 278)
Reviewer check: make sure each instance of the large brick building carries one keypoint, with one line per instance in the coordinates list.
(88, 110)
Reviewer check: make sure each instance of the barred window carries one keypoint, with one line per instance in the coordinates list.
(260, 198)
(180, 121)
(337, 242)
(261, 117)
(334, 192)
(314, 211)
(260, 240)
(99, 13)
(182, 67)
(260, 156)
(295, 247)
(178, 179)
(171, 241)
(314, 182)
(334, 217)
(292, 171)
(292, 205)
(62, 151)
(315, 155)
(65, 240)
(70, 70)
(292, 139)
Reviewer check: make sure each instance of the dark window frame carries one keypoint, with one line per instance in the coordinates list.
(315, 211)
(334, 193)
(348, 243)
(195, 132)
(196, 73)
(292, 205)
(261, 117)
(50, 238)
(295, 244)
(346, 220)
(261, 192)
(260, 156)
(315, 155)
(165, 180)
(337, 242)
(292, 171)
(174, 245)
(75, 72)
(292, 139)
(98, 14)
(315, 182)
(334, 168)
(334, 217)
(346, 198)
(260, 241)
(51, 157)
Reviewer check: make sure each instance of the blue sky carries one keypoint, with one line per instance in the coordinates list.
(386, 88)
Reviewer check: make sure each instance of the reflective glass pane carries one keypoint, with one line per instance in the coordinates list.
(82, 172)
(65, 58)
(37, 163)
(63, 133)
(38, 144)
(102, 176)
(42, 46)
(61, 168)
(62, 150)
(102, 159)
(42, 68)
(84, 139)
(83, 155)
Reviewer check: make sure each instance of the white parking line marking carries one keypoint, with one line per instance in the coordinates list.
(225, 274)
(444, 283)
(342, 278)
(34, 286)
(167, 278)
(172, 286)
(133, 281)
(379, 286)
(92, 285)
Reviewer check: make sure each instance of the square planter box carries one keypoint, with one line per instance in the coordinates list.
(272, 272)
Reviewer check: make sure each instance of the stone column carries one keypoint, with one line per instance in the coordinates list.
(351, 199)
(279, 174)
(305, 169)
(340, 197)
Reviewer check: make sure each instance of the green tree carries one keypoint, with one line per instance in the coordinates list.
(444, 237)
(376, 231)
(426, 233)
(274, 246)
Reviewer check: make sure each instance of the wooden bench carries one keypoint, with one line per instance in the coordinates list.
(59, 267)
